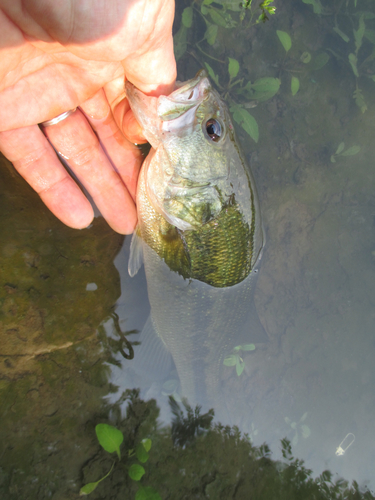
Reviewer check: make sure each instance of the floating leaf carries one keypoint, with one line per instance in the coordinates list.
(319, 61)
(109, 438)
(353, 64)
(248, 347)
(147, 493)
(237, 348)
(247, 122)
(233, 67)
(230, 360)
(303, 418)
(211, 34)
(136, 472)
(169, 387)
(351, 151)
(333, 159)
(305, 57)
(187, 17)
(180, 42)
(305, 431)
(141, 453)
(240, 365)
(294, 85)
(341, 33)
(89, 487)
(212, 73)
(293, 425)
(284, 39)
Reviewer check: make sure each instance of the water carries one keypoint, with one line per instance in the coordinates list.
(62, 371)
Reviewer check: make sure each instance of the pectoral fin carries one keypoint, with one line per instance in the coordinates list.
(136, 253)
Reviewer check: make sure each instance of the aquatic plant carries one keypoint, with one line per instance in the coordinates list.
(353, 26)
(110, 440)
(235, 358)
(341, 151)
(298, 428)
(221, 15)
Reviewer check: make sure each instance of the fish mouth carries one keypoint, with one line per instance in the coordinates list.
(186, 98)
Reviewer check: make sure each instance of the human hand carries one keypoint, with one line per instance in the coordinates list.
(55, 56)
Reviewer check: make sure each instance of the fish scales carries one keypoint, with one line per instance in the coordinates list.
(199, 232)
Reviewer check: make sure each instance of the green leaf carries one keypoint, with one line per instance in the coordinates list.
(180, 42)
(263, 88)
(230, 360)
(217, 18)
(351, 151)
(370, 35)
(317, 6)
(240, 367)
(358, 34)
(147, 493)
(89, 487)
(360, 100)
(340, 148)
(141, 453)
(247, 122)
(294, 85)
(284, 39)
(187, 17)
(233, 67)
(248, 347)
(237, 348)
(136, 472)
(306, 57)
(212, 74)
(333, 159)
(319, 61)
(109, 438)
(353, 64)
(147, 444)
(211, 34)
(341, 33)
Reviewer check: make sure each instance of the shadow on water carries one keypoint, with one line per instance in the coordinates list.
(68, 315)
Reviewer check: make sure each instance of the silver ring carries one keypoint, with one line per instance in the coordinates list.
(58, 118)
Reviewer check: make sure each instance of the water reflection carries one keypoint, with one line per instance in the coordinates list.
(61, 369)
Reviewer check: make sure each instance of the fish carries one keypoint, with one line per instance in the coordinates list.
(199, 234)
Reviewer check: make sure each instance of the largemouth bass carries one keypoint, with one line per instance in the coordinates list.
(199, 233)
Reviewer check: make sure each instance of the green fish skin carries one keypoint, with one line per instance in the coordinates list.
(199, 233)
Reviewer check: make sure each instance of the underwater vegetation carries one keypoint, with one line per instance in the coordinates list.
(214, 33)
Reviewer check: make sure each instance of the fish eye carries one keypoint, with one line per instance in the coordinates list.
(214, 129)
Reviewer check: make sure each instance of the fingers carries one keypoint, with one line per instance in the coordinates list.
(75, 140)
(125, 156)
(34, 158)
